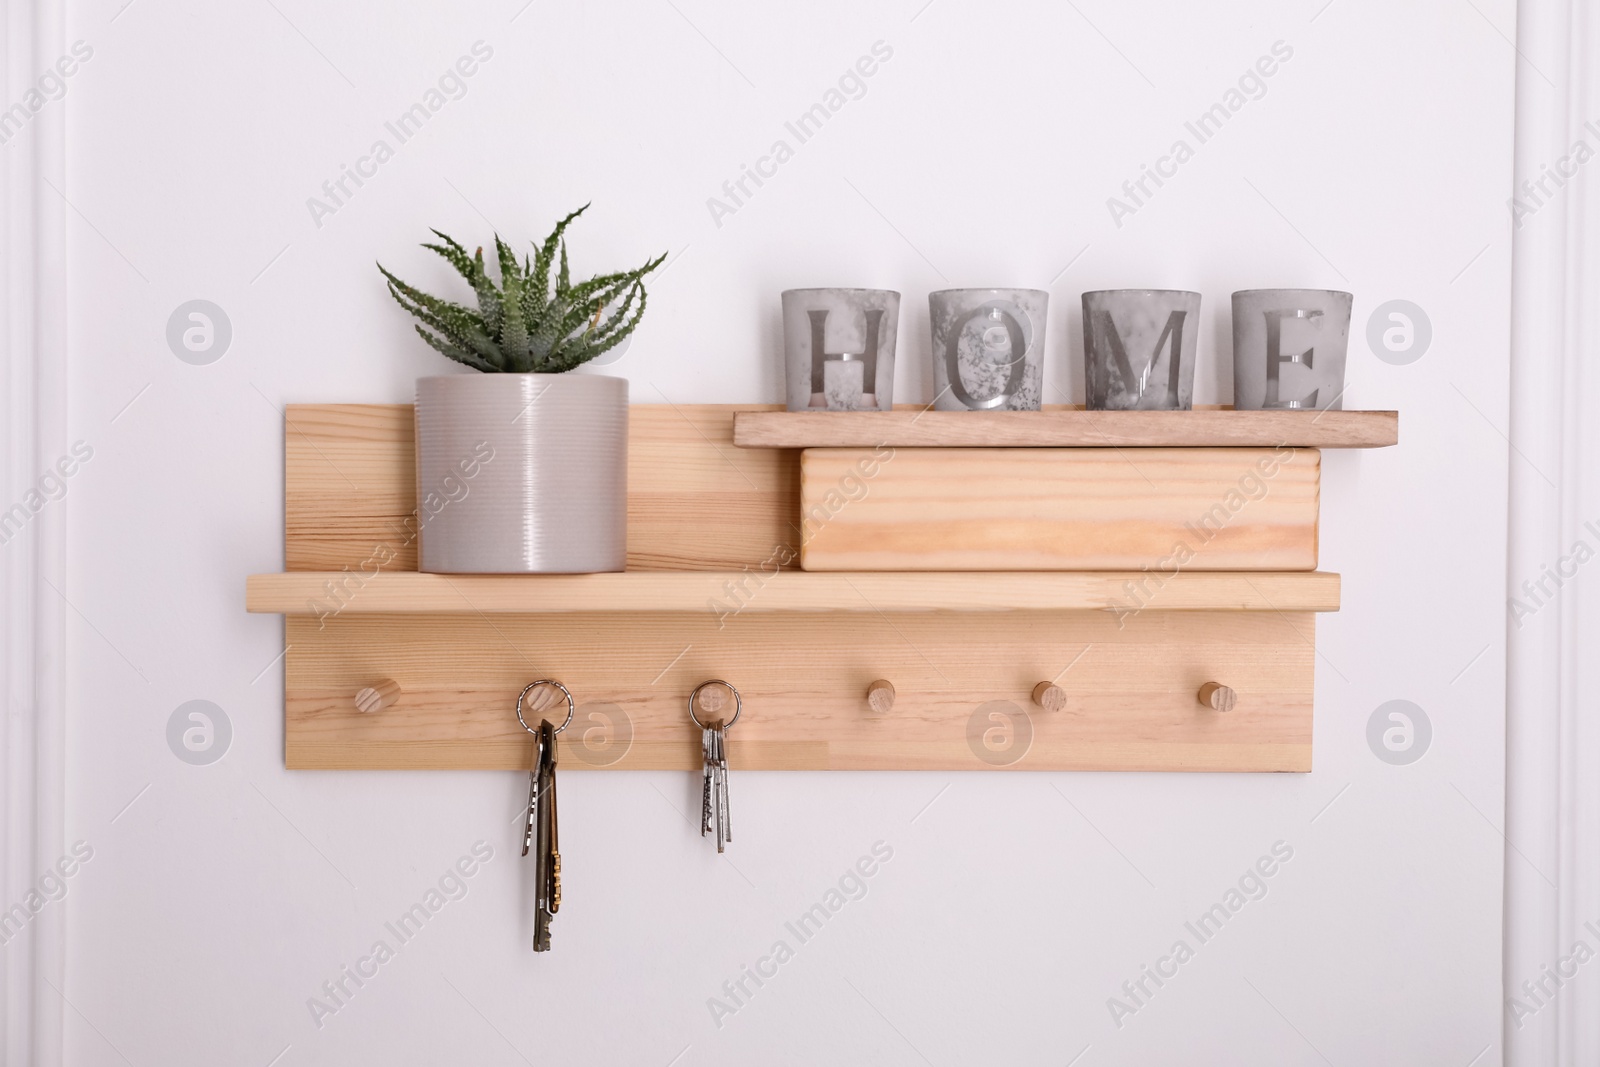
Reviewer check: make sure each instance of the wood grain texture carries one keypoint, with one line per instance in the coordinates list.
(1130, 684)
(695, 502)
(724, 595)
(916, 427)
(1036, 509)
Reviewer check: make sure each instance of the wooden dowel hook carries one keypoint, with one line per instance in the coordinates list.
(1050, 696)
(880, 697)
(1217, 696)
(711, 700)
(377, 697)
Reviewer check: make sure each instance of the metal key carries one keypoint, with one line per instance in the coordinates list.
(725, 827)
(541, 850)
(540, 834)
(711, 815)
(533, 794)
(545, 856)
(714, 817)
(708, 779)
(555, 824)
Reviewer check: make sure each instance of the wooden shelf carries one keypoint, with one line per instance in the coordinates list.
(1065, 427)
(408, 592)
(714, 535)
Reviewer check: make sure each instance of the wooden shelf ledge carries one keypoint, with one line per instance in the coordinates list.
(319, 593)
(1065, 427)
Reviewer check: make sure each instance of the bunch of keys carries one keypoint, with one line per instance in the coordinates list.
(714, 750)
(540, 833)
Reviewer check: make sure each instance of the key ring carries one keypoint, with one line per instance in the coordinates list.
(565, 691)
(738, 703)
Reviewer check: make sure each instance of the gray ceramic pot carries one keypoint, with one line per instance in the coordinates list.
(1139, 348)
(838, 348)
(1289, 348)
(522, 473)
(988, 348)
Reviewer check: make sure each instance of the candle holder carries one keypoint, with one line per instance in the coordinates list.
(1139, 349)
(839, 348)
(1289, 348)
(988, 348)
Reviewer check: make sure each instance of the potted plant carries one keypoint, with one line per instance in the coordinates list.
(523, 468)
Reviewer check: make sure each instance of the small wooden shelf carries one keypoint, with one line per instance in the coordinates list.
(714, 536)
(409, 592)
(1066, 427)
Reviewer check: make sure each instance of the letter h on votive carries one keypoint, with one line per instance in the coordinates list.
(867, 358)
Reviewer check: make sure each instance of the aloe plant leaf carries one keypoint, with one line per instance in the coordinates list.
(458, 354)
(471, 268)
(462, 334)
(433, 310)
(604, 281)
(619, 326)
(459, 324)
(510, 269)
(603, 329)
(457, 256)
(489, 303)
(544, 256)
(601, 338)
(547, 333)
(513, 329)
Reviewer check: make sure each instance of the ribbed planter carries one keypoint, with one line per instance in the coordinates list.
(522, 473)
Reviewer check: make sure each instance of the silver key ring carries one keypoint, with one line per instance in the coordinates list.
(738, 703)
(544, 681)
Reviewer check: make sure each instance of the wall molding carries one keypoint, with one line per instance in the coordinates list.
(1552, 857)
(33, 423)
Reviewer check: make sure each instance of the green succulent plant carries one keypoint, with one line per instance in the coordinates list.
(520, 325)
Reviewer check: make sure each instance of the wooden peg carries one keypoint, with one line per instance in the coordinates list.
(1049, 696)
(542, 699)
(711, 701)
(1217, 696)
(377, 697)
(880, 697)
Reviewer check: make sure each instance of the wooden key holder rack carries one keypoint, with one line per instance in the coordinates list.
(1055, 590)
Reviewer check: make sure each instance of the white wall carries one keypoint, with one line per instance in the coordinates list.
(983, 152)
